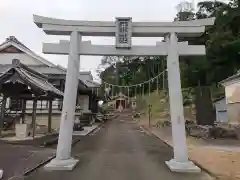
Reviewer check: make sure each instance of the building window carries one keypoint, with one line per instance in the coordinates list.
(16, 104)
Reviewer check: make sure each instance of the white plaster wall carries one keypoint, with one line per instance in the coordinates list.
(84, 102)
(221, 110)
(29, 104)
(221, 105)
(6, 58)
(232, 92)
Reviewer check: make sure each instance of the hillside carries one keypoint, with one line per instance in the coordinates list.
(160, 107)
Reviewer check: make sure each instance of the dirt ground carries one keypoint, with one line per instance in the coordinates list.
(223, 165)
(221, 158)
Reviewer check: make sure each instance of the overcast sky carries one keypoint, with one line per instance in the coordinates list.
(16, 17)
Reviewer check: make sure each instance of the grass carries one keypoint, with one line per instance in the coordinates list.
(160, 103)
(160, 106)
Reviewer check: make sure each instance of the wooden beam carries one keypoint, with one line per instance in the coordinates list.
(3, 105)
(34, 117)
(50, 117)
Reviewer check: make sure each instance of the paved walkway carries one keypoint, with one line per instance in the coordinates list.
(15, 160)
(120, 150)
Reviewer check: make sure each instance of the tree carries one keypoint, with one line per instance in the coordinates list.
(200, 71)
(222, 57)
(133, 70)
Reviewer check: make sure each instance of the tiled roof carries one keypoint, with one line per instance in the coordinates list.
(91, 84)
(85, 77)
(233, 77)
(49, 68)
(218, 99)
(54, 70)
(12, 40)
(41, 69)
(15, 40)
(30, 77)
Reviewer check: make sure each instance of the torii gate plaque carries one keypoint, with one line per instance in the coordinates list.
(124, 29)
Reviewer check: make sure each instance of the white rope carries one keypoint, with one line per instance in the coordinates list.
(136, 85)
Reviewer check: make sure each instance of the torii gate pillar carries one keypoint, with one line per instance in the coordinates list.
(180, 162)
(63, 160)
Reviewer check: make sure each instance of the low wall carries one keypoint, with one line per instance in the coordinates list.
(42, 119)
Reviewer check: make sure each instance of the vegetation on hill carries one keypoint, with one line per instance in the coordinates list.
(222, 42)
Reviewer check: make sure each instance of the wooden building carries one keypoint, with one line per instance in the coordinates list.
(232, 96)
(119, 102)
(86, 100)
(20, 84)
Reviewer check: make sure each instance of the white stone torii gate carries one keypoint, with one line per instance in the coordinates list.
(124, 29)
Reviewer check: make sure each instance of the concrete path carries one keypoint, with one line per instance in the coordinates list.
(86, 130)
(120, 150)
(15, 160)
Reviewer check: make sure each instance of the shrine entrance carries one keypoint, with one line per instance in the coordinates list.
(123, 29)
(120, 104)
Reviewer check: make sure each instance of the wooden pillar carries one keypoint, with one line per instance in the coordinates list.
(34, 117)
(50, 116)
(4, 100)
(24, 110)
(90, 104)
(60, 101)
